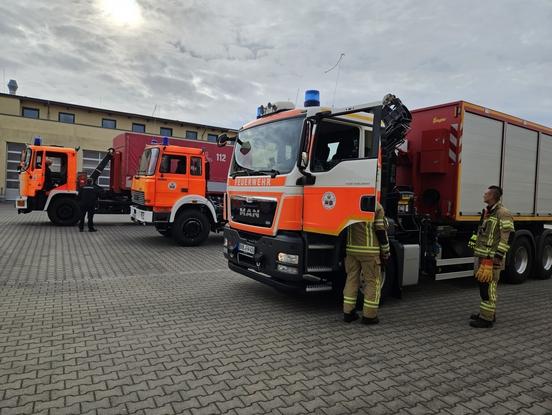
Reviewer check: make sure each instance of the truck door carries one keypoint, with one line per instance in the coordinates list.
(344, 166)
(172, 180)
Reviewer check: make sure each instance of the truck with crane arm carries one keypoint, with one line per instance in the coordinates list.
(57, 194)
(300, 176)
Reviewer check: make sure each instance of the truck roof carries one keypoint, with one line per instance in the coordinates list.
(177, 149)
(52, 148)
(481, 110)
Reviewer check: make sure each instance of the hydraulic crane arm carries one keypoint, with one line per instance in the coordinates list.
(101, 165)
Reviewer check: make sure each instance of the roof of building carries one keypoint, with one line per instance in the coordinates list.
(104, 110)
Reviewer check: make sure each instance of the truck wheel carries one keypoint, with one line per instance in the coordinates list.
(64, 211)
(519, 262)
(543, 262)
(191, 228)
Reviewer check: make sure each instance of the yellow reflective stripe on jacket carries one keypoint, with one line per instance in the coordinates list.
(507, 224)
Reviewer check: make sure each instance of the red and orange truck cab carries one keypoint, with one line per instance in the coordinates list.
(299, 177)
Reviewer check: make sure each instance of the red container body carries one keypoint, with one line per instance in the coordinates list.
(130, 146)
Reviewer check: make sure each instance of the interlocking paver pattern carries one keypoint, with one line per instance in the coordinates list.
(123, 321)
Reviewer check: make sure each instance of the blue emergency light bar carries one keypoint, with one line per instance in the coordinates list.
(312, 98)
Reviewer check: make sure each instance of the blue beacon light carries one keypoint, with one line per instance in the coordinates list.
(38, 141)
(312, 98)
(165, 141)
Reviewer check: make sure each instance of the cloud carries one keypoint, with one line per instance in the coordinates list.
(215, 62)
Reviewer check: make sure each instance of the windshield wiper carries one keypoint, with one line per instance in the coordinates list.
(242, 172)
(273, 172)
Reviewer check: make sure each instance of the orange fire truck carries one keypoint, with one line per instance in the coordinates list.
(57, 194)
(300, 176)
(173, 191)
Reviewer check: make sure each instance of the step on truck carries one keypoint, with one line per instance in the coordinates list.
(180, 189)
(300, 176)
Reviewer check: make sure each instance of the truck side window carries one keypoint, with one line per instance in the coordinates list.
(173, 164)
(195, 166)
(334, 142)
(38, 161)
(370, 150)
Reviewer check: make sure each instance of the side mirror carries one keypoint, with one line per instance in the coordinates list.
(245, 147)
(304, 160)
(224, 138)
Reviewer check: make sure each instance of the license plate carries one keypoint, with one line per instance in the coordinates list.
(246, 249)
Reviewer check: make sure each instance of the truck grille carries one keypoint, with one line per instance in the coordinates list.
(138, 197)
(252, 211)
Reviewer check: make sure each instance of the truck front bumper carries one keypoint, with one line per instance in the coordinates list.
(141, 215)
(258, 258)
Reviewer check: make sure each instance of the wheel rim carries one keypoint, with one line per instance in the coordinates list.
(65, 212)
(192, 228)
(521, 259)
(547, 258)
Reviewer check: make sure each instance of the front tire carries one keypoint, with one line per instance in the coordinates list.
(64, 211)
(191, 228)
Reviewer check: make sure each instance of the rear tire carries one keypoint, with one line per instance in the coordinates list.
(191, 228)
(543, 261)
(64, 211)
(519, 261)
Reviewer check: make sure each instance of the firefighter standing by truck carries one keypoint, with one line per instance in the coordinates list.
(490, 246)
(367, 251)
(88, 197)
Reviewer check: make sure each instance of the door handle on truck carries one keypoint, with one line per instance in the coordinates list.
(184, 190)
(368, 203)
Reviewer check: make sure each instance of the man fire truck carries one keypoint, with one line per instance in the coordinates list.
(300, 176)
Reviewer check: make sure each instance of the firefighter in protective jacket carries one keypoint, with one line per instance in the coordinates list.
(367, 251)
(490, 247)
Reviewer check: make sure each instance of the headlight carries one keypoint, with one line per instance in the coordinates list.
(288, 258)
(287, 270)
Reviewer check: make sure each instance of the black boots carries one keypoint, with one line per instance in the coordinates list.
(476, 317)
(368, 320)
(481, 323)
(350, 317)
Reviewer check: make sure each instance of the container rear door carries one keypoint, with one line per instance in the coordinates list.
(544, 176)
(480, 162)
(520, 160)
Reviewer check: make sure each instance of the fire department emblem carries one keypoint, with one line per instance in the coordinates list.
(328, 200)
(171, 185)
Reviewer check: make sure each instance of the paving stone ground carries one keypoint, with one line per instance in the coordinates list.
(122, 321)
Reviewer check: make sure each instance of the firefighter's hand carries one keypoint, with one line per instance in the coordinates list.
(497, 261)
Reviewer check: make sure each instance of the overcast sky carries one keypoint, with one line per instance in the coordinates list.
(214, 62)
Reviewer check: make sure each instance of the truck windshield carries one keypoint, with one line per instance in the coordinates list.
(268, 148)
(148, 160)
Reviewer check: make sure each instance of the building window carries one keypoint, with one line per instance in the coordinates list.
(31, 112)
(165, 131)
(191, 135)
(66, 117)
(138, 128)
(212, 138)
(108, 123)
